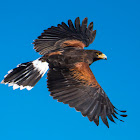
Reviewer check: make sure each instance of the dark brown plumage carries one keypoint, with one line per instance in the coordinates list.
(70, 79)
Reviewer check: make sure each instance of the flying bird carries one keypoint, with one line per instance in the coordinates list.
(69, 78)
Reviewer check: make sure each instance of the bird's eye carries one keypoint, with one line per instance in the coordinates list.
(97, 53)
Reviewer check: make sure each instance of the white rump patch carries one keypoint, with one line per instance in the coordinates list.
(42, 67)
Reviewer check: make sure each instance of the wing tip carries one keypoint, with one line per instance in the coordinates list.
(85, 20)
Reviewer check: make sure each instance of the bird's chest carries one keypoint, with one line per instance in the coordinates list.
(64, 60)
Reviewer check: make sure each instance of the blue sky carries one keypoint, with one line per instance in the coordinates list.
(34, 115)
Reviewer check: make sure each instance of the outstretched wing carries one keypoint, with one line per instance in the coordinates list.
(78, 87)
(65, 35)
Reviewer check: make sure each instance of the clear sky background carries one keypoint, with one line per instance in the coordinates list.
(34, 115)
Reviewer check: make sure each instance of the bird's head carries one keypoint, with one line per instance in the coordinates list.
(97, 55)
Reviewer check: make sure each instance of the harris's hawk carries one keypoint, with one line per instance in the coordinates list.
(70, 79)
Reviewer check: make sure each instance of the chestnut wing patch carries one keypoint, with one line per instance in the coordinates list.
(83, 73)
(78, 87)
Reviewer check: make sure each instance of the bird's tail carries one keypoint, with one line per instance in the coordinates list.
(26, 75)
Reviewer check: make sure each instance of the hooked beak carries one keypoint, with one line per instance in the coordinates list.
(102, 56)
